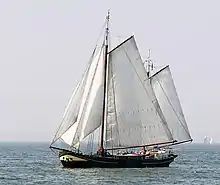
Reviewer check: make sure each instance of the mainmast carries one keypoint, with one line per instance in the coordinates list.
(105, 76)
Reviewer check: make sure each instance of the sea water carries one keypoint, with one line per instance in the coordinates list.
(35, 164)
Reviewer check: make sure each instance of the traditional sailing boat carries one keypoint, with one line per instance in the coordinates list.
(121, 106)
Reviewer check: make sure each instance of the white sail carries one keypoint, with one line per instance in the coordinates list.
(207, 140)
(67, 127)
(67, 136)
(111, 125)
(90, 114)
(85, 105)
(132, 118)
(164, 88)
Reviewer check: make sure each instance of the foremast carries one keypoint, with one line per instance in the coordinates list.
(106, 42)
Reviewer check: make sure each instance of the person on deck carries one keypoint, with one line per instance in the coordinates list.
(143, 151)
(99, 151)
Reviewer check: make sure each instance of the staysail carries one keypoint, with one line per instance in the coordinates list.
(92, 103)
(165, 91)
(67, 127)
(85, 104)
(132, 119)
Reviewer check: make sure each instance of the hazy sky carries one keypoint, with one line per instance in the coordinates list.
(45, 46)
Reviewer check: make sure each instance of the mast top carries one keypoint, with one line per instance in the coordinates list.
(149, 53)
(107, 27)
(108, 15)
(149, 63)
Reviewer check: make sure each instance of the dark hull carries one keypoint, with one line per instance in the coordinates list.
(72, 160)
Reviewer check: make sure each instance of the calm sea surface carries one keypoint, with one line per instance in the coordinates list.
(34, 163)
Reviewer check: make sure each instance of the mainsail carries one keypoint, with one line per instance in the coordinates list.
(132, 119)
(165, 91)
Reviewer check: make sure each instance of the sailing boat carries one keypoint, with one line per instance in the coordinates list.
(207, 140)
(118, 107)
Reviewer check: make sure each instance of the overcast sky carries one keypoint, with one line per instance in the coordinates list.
(45, 46)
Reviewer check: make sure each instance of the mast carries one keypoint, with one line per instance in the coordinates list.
(105, 76)
(149, 64)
